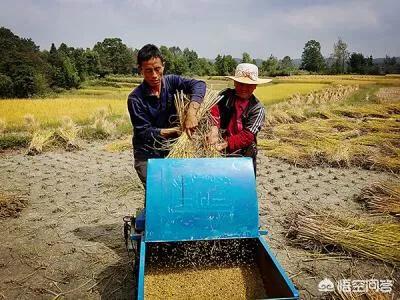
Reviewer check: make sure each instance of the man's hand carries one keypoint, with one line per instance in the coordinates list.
(191, 121)
(170, 132)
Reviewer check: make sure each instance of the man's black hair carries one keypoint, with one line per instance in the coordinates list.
(148, 52)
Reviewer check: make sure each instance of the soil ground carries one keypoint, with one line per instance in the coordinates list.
(67, 242)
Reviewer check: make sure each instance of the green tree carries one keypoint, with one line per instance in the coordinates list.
(179, 62)
(54, 58)
(206, 67)
(340, 57)
(92, 59)
(115, 56)
(175, 51)
(390, 65)
(181, 66)
(312, 59)
(191, 58)
(65, 50)
(270, 66)
(225, 65)
(286, 66)
(24, 82)
(6, 86)
(22, 63)
(63, 61)
(71, 77)
(246, 58)
(357, 63)
(372, 68)
(168, 59)
(390, 61)
(79, 60)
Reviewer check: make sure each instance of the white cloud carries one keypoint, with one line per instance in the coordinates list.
(242, 33)
(210, 27)
(159, 8)
(353, 15)
(79, 1)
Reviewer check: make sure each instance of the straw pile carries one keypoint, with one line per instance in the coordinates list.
(68, 134)
(197, 145)
(388, 94)
(340, 141)
(363, 237)
(40, 140)
(382, 197)
(299, 107)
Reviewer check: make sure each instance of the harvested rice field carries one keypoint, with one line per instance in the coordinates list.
(73, 213)
(320, 162)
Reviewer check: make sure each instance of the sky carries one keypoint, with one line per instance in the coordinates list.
(211, 27)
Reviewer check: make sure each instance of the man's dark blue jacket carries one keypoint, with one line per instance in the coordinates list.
(150, 113)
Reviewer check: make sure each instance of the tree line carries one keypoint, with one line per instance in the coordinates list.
(25, 70)
(342, 62)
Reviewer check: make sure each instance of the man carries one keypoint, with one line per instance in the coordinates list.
(239, 114)
(152, 109)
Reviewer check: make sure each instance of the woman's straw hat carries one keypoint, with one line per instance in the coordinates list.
(248, 74)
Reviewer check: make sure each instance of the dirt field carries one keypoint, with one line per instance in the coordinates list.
(68, 243)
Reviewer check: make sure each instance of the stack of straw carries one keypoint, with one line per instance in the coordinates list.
(382, 197)
(197, 145)
(360, 236)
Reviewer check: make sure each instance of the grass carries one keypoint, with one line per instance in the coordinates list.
(14, 140)
(366, 93)
(119, 145)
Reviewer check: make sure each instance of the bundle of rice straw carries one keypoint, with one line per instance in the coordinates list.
(382, 197)
(40, 139)
(361, 236)
(197, 145)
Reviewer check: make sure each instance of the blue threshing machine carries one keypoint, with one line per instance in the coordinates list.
(203, 199)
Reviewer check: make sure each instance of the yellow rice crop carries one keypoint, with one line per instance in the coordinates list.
(269, 94)
(342, 79)
(51, 110)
